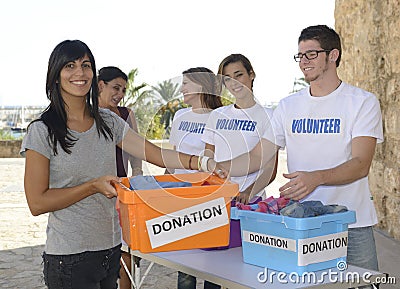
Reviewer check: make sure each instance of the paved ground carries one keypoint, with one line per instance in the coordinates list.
(22, 238)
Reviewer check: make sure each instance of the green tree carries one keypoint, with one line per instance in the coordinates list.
(168, 92)
(226, 97)
(141, 99)
(6, 135)
(155, 129)
(134, 92)
(146, 110)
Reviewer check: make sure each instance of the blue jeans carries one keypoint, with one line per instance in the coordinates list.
(361, 250)
(87, 270)
(186, 281)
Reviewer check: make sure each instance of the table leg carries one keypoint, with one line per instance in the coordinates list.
(136, 270)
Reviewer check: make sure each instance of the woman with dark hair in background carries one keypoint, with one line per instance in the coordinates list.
(112, 87)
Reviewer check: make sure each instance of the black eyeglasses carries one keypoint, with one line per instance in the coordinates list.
(310, 54)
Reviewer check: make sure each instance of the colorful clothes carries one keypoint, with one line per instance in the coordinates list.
(270, 205)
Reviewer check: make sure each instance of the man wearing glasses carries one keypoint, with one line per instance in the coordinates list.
(330, 131)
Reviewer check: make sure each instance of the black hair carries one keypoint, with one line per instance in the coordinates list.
(55, 116)
(326, 36)
(109, 73)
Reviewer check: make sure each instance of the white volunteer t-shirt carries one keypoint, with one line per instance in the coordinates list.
(317, 133)
(186, 132)
(236, 131)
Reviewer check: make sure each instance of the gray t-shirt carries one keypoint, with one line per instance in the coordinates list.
(91, 224)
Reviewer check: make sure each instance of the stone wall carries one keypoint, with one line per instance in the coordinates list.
(370, 33)
(10, 148)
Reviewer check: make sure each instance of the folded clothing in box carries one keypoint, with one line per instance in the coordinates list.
(150, 183)
(193, 213)
(292, 244)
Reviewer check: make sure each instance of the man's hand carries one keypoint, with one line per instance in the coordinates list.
(301, 184)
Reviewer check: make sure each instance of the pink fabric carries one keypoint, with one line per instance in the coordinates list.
(241, 206)
(270, 205)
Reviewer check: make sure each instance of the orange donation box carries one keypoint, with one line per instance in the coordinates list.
(177, 218)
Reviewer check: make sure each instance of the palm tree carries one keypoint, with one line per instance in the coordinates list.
(141, 99)
(133, 92)
(168, 92)
(147, 115)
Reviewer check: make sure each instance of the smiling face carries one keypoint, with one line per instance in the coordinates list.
(314, 69)
(76, 78)
(191, 92)
(111, 92)
(237, 79)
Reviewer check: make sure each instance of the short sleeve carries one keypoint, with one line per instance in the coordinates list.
(174, 128)
(118, 126)
(275, 133)
(209, 129)
(37, 139)
(369, 120)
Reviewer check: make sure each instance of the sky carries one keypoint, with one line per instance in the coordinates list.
(161, 38)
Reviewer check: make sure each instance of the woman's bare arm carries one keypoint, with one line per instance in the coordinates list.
(141, 148)
(41, 199)
(249, 162)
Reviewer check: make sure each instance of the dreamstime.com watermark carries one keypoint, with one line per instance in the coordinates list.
(331, 276)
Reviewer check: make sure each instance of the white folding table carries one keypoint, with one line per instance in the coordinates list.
(226, 267)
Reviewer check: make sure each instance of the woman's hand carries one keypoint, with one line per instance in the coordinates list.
(217, 169)
(103, 185)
